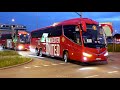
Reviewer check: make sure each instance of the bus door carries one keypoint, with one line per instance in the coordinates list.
(74, 43)
(77, 47)
(9, 43)
(45, 43)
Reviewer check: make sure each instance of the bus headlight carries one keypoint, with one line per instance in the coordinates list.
(32, 49)
(86, 54)
(85, 58)
(106, 54)
(20, 47)
(29, 47)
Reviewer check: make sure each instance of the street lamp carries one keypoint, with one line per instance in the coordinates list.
(13, 20)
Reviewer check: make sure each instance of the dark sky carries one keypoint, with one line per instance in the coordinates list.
(35, 20)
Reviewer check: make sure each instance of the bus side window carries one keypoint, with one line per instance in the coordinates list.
(72, 34)
(77, 38)
(56, 31)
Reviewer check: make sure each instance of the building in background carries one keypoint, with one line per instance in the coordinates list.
(108, 29)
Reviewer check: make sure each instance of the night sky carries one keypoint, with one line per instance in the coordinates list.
(34, 20)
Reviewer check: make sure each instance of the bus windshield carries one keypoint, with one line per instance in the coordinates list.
(24, 38)
(94, 37)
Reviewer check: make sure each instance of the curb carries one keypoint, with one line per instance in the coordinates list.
(16, 65)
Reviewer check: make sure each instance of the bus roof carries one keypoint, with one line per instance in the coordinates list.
(77, 21)
(74, 21)
(42, 28)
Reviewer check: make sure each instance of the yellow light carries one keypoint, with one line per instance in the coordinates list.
(86, 54)
(94, 27)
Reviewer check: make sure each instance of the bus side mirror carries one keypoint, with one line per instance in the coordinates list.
(84, 26)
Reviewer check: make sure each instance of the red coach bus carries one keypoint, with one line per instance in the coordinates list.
(22, 43)
(79, 39)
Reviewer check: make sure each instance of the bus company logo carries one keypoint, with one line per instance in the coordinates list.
(63, 39)
(98, 49)
(54, 40)
(94, 27)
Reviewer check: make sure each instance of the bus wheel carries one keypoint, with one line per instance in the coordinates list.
(84, 64)
(37, 52)
(40, 53)
(65, 57)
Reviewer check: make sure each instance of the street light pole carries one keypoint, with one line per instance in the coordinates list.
(14, 34)
(80, 14)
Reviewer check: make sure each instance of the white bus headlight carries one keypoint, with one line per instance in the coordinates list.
(106, 54)
(20, 47)
(86, 54)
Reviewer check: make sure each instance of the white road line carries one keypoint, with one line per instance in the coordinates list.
(67, 63)
(37, 66)
(116, 67)
(112, 72)
(46, 65)
(91, 76)
(27, 67)
(54, 64)
(62, 63)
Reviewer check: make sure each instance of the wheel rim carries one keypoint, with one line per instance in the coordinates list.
(65, 57)
(40, 53)
(36, 52)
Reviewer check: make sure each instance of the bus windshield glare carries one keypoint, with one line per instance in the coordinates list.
(24, 38)
(94, 37)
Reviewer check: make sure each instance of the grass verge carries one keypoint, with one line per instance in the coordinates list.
(8, 53)
(10, 58)
(115, 48)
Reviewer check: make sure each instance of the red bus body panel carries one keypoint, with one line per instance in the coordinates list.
(4, 42)
(75, 51)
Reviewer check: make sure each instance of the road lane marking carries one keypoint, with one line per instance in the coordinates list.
(54, 64)
(91, 76)
(37, 66)
(112, 72)
(46, 65)
(62, 63)
(88, 68)
(115, 67)
(27, 67)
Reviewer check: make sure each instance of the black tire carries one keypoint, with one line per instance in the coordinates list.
(65, 57)
(4, 47)
(84, 64)
(104, 62)
(37, 52)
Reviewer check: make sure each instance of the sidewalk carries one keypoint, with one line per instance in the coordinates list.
(114, 56)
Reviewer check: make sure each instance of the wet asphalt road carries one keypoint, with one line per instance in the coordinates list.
(46, 67)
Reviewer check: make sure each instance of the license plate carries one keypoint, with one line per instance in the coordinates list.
(98, 58)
